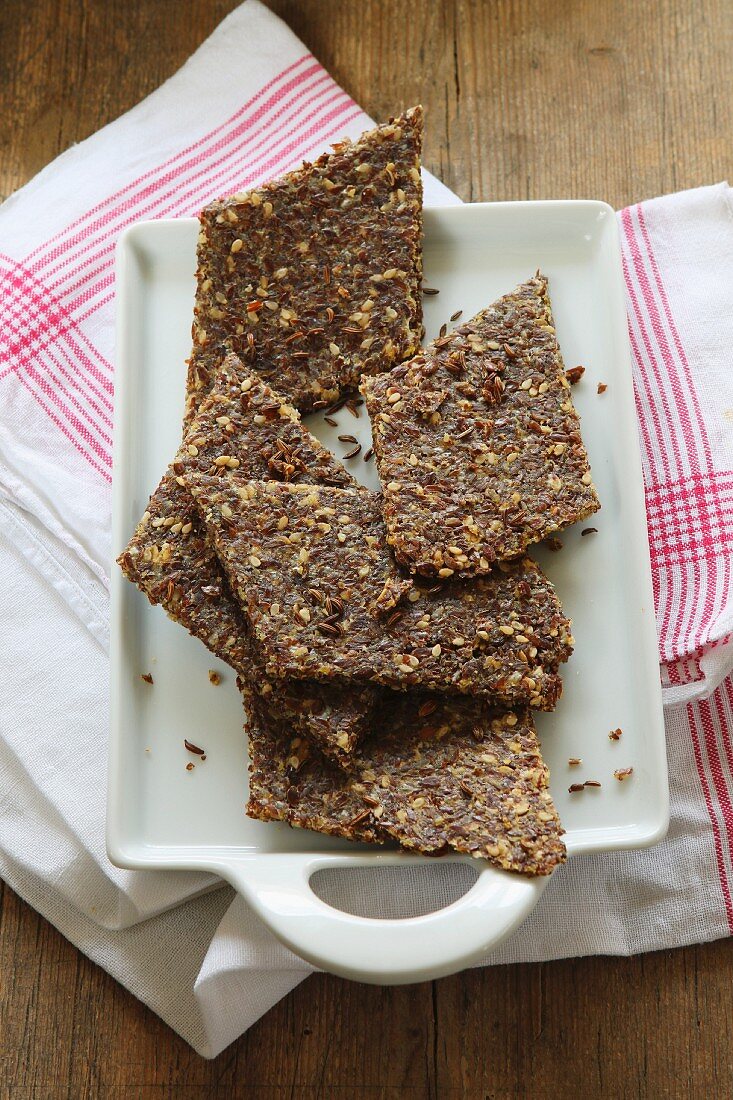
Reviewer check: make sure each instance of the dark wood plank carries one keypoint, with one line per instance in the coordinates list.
(529, 100)
(525, 100)
(657, 1025)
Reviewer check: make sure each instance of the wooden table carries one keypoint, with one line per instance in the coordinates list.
(525, 99)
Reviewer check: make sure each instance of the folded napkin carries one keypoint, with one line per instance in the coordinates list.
(217, 127)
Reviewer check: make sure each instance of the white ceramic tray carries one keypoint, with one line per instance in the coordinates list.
(162, 816)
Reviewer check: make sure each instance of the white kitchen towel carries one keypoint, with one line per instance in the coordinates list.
(678, 267)
(217, 126)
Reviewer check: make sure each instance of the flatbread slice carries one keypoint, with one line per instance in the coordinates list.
(171, 560)
(441, 774)
(315, 278)
(477, 440)
(325, 599)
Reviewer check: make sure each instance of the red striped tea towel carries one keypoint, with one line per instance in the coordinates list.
(212, 128)
(678, 266)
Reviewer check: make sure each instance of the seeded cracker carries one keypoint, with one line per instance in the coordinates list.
(245, 425)
(315, 278)
(170, 559)
(325, 599)
(442, 774)
(477, 441)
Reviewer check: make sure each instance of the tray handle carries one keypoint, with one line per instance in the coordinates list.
(381, 952)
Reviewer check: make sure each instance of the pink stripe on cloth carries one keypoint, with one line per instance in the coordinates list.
(36, 342)
(47, 300)
(235, 175)
(236, 181)
(63, 427)
(665, 446)
(292, 155)
(693, 716)
(54, 373)
(185, 198)
(667, 369)
(44, 318)
(197, 174)
(689, 502)
(715, 790)
(677, 341)
(124, 192)
(717, 543)
(690, 519)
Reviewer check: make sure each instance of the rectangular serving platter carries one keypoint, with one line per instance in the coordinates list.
(163, 815)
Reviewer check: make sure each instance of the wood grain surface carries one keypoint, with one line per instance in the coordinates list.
(525, 99)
